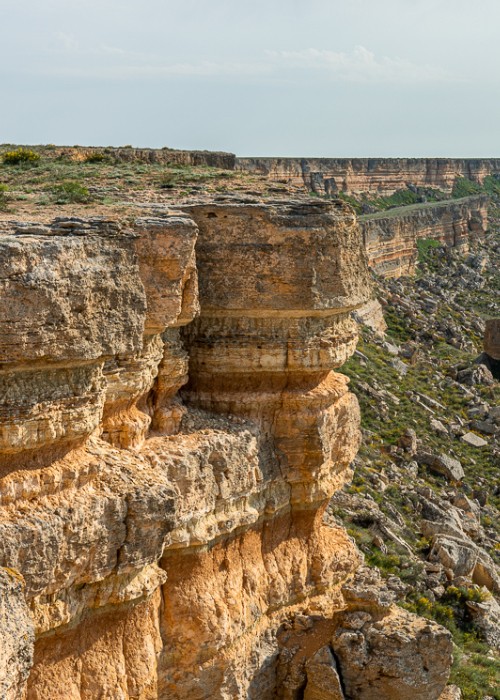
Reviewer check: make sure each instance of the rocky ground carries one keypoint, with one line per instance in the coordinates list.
(424, 505)
(60, 186)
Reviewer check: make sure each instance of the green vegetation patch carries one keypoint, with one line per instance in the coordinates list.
(71, 192)
(424, 245)
(21, 156)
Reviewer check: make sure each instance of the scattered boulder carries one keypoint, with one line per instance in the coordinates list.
(398, 657)
(408, 441)
(478, 374)
(492, 338)
(323, 682)
(442, 464)
(486, 618)
(474, 440)
(456, 554)
(451, 692)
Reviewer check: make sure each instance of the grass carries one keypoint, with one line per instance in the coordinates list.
(113, 182)
(424, 245)
(4, 197)
(70, 192)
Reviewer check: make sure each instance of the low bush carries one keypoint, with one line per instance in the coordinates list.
(4, 197)
(70, 192)
(21, 156)
(424, 245)
(97, 157)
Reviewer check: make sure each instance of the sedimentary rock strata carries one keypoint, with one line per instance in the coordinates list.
(390, 238)
(382, 176)
(162, 544)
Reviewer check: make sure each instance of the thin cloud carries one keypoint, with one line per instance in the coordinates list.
(360, 65)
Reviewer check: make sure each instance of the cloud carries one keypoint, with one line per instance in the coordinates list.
(360, 66)
(104, 61)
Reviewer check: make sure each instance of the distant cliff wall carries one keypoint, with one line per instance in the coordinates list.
(382, 176)
(390, 237)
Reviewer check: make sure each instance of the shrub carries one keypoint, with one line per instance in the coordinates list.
(4, 198)
(424, 245)
(70, 192)
(21, 156)
(168, 181)
(97, 157)
(465, 188)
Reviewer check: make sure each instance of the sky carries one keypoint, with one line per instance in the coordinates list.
(359, 78)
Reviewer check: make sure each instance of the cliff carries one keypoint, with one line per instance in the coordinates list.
(381, 176)
(390, 237)
(166, 544)
(129, 154)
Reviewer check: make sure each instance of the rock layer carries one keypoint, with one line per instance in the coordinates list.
(382, 176)
(167, 540)
(390, 238)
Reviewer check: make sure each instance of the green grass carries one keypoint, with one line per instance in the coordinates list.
(70, 192)
(424, 245)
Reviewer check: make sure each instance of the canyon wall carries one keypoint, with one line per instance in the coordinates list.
(167, 542)
(378, 176)
(390, 237)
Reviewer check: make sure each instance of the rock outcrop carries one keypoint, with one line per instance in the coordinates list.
(157, 543)
(129, 154)
(492, 338)
(391, 237)
(381, 176)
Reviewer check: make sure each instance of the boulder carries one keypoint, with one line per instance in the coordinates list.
(398, 657)
(323, 682)
(474, 440)
(486, 617)
(448, 467)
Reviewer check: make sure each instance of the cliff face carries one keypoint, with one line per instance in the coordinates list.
(492, 338)
(390, 237)
(129, 154)
(381, 176)
(166, 545)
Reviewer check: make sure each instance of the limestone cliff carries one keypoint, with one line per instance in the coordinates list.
(382, 176)
(390, 237)
(159, 544)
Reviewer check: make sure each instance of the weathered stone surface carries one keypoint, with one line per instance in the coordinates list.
(323, 682)
(451, 692)
(382, 176)
(16, 637)
(486, 616)
(474, 440)
(265, 344)
(492, 338)
(167, 542)
(391, 237)
(464, 558)
(397, 657)
(371, 315)
(442, 464)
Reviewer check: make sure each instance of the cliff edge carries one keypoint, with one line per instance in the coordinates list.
(172, 427)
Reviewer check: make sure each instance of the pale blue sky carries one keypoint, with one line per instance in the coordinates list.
(275, 77)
